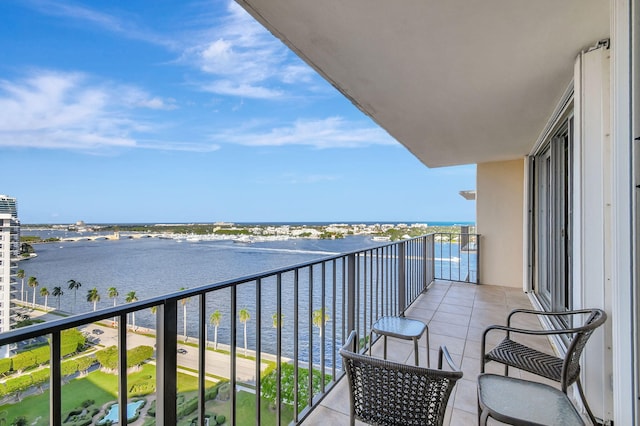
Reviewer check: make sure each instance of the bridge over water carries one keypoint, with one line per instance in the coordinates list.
(115, 236)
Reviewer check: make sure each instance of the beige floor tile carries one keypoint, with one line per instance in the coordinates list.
(449, 318)
(446, 329)
(466, 396)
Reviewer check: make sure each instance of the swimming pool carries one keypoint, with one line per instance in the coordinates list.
(112, 414)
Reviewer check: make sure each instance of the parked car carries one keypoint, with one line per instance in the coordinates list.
(182, 351)
(97, 331)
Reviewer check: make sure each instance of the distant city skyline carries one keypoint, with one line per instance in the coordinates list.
(192, 112)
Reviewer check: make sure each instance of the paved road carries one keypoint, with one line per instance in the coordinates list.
(215, 362)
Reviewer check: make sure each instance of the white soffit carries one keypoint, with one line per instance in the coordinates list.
(454, 81)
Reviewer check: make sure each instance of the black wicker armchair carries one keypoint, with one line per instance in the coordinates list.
(388, 393)
(566, 370)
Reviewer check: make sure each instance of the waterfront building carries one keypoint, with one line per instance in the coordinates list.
(9, 252)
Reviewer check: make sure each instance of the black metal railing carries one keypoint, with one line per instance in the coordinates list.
(280, 331)
(456, 257)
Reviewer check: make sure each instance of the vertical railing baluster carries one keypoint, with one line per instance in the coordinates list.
(345, 300)
(202, 336)
(401, 278)
(55, 380)
(279, 350)
(425, 277)
(310, 331)
(166, 363)
(122, 368)
(234, 354)
(364, 294)
(334, 350)
(258, 352)
(351, 293)
(296, 337)
(478, 259)
(323, 331)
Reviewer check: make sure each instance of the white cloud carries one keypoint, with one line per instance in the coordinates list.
(245, 59)
(68, 110)
(332, 132)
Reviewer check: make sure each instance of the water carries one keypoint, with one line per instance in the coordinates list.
(153, 267)
(112, 415)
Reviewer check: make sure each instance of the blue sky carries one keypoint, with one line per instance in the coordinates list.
(175, 111)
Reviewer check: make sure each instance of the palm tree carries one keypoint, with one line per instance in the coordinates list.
(93, 297)
(244, 317)
(130, 298)
(44, 292)
(214, 319)
(20, 274)
(112, 292)
(277, 322)
(33, 283)
(74, 285)
(184, 314)
(318, 320)
(57, 292)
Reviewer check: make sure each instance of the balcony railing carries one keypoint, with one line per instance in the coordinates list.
(280, 330)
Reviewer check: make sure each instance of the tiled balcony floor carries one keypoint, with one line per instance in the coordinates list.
(457, 314)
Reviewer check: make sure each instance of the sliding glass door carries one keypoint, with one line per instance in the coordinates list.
(552, 221)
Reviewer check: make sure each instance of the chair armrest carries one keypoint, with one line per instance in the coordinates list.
(543, 313)
(444, 352)
(510, 330)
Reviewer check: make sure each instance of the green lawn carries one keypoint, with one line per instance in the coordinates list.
(246, 408)
(99, 386)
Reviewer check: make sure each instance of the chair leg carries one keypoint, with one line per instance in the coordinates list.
(482, 418)
(585, 403)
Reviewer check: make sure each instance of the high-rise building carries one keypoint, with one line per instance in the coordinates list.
(9, 253)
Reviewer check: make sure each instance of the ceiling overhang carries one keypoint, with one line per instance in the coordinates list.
(456, 81)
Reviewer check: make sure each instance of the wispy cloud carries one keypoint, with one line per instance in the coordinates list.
(69, 110)
(332, 132)
(245, 59)
(234, 54)
(105, 21)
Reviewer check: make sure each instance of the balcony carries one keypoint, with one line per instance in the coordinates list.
(456, 314)
(289, 319)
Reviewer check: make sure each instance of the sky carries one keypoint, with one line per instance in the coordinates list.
(180, 112)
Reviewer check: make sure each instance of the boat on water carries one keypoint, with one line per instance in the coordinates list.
(243, 239)
(381, 238)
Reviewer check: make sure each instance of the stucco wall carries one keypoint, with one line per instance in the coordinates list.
(499, 216)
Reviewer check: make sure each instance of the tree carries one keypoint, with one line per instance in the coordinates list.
(277, 320)
(244, 317)
(44, 292)
(20, 274)
(112, 292)
(214, 319)
(33, 283)
(184, 314)
(130, 298)
(317, 319)
(74, 285)
(57, 292)
(93, 297)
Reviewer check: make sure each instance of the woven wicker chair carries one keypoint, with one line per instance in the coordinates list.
(565, 370)
(388, 393)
